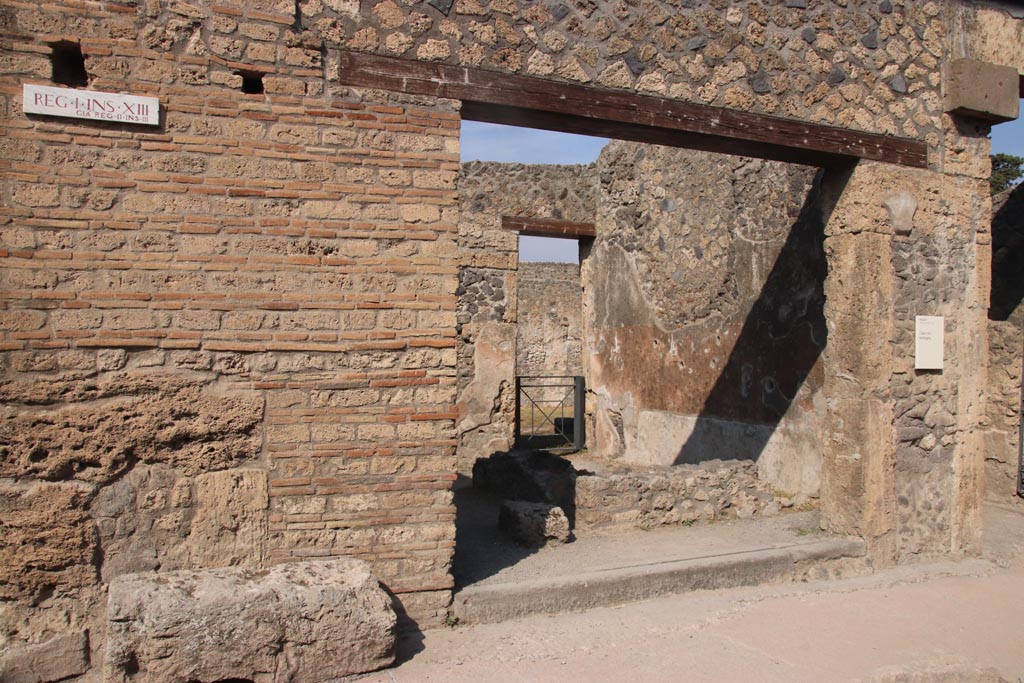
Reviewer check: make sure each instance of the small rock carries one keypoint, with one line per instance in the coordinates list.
(746, 511)
(636, 65)
(533, 524)
(759, 82)
(663, 501)
(442, 6)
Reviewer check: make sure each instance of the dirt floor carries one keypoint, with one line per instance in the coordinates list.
(934, 622)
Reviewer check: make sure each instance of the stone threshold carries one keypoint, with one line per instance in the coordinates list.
(620, 568)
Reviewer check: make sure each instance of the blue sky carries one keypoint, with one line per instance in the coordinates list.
(1008, 138)
(490, 142)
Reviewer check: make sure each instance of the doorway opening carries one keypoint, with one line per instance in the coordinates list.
(550, 386)
(698, 290)
(1004, 455)
(519, 317)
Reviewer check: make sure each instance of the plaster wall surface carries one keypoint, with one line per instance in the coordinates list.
(704, 323)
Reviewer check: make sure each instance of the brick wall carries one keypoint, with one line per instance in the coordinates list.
(262, 284)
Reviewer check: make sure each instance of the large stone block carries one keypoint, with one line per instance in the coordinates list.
(988, 34)
(300, 622)
(860, 318)
(157, 518)
(230, 523)
(981, 90)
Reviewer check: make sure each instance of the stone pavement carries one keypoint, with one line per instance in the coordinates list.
(952, 621)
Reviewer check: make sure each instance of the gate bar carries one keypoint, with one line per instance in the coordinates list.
(578, 405)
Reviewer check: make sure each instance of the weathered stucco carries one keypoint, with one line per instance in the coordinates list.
(704, 321)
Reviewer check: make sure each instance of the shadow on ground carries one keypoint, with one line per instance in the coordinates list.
(480, 549)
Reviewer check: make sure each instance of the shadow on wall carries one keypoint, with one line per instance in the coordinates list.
(1007, 254)
(781, 341)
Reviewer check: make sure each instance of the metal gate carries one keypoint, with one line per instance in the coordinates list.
(549, 412)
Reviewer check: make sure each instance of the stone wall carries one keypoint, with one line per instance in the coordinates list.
(862, 64)
(1006, 344)
(549, 338)
(649, 497)
(904, 448)
(704, 322)
(488, 286)
(260, 293)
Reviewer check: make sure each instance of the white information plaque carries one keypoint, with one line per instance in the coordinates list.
(89, 104)
(929, 342)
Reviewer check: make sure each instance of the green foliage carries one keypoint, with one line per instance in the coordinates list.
(1006, 168)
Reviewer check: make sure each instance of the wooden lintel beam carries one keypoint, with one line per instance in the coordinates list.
(548, 227)
(567, 123)
(536, 102)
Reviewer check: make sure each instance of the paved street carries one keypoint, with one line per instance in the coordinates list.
(956, 621)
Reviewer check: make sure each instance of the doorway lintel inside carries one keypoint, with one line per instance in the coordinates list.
(548, 227)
